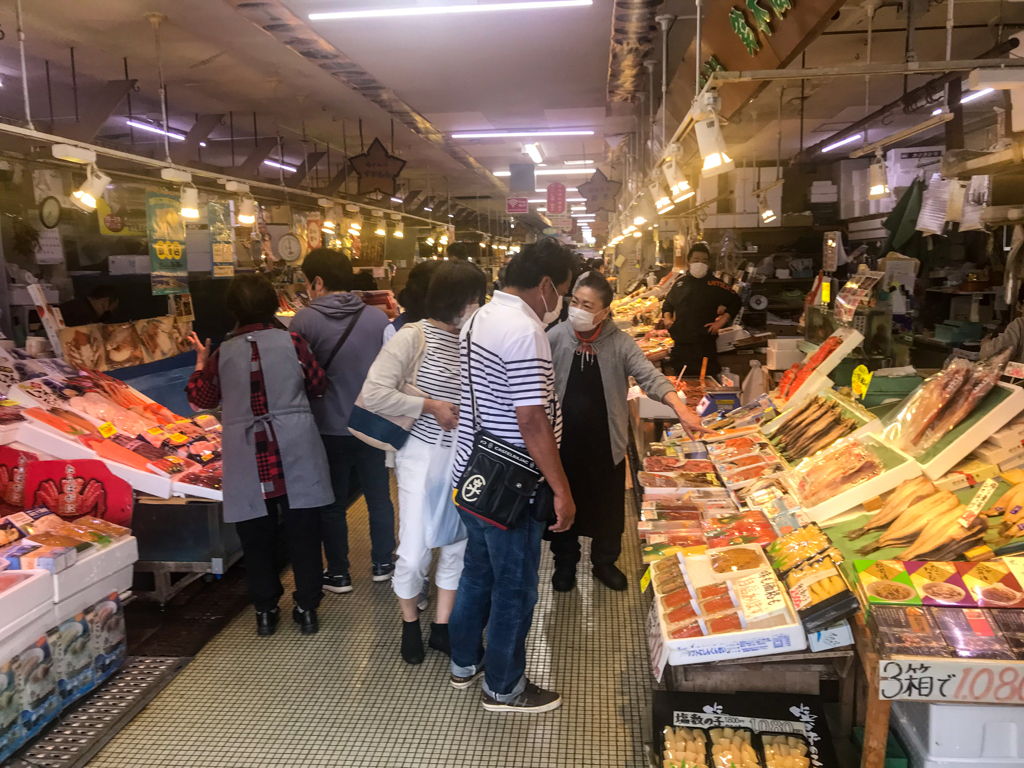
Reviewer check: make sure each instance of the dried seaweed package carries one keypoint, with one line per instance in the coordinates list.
(972, 633)
(908, 631)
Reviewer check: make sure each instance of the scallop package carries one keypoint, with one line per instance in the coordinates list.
(733, 748)
(785, 750)
(684, 748)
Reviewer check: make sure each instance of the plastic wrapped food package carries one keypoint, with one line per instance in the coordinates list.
(785, 751)
(684, 747)
(207, 477)
(732, 748)
(831, 472)
(793, 548)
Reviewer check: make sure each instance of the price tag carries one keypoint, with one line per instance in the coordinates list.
(760, 595)
(826, 291)
(107, 429)
(178, 438)
(953, 680)
(801, 596)
(645, 580)
(1014, 370)
(978, 502)
(9, 402)
(656, 647)
(861, 380)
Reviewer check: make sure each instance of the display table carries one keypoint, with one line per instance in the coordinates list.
(876, 718)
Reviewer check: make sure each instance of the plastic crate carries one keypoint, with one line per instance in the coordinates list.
(961, 735)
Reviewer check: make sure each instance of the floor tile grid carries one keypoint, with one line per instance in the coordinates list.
(344, 697)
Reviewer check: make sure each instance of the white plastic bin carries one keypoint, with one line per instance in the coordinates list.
(960, 735)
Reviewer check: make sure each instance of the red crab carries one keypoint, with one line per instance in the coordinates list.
(12, 484)
(74, 498)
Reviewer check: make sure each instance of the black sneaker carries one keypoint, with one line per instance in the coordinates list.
(611, 577)
(532, 699)
(307, 621)
(266, 622)
(337, 584)
(564, 578)
(461, 683)
(383, 571)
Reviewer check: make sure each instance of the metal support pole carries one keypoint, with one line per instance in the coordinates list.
(697, 55)
(156, 19)
(24, 68)
(665, 20)
(949, 46)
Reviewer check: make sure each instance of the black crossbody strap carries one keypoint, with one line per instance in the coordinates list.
(469, 363)
(343, 339)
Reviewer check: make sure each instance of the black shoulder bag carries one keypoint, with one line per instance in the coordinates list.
(500, 478)
(342, 340)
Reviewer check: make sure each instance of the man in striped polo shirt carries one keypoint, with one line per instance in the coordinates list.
(514, 385)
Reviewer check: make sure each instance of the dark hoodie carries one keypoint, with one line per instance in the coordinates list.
(321, 325)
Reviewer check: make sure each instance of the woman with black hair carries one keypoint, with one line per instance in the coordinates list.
(413, 297)
(425, 354)
(593, 362)
(273, 458)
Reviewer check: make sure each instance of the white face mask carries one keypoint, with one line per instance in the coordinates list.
(550, 315)
(698, 269)
(467, 313)
(582, 320)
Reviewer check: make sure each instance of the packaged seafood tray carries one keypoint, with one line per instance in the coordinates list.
(820, 593)
(722, 435)
(677, 464)
(802, 378)
(658, 481)
(678, 448)
(816, 423)
(751, 413)
(853, 471)
(737, 447)
(907, 631)
(748, 527)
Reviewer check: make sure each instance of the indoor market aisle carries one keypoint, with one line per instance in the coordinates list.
(345, 698)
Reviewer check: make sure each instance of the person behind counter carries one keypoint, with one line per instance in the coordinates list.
(1012, 338)
(691, 312)
(98, 307)
(275, 467)
(593, 361)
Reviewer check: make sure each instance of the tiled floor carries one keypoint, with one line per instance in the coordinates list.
(345, 698)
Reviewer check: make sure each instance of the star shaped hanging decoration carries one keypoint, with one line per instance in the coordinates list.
(377, 170)
(599, 192)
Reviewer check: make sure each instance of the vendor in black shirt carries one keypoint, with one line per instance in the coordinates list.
(98, 307)
(695, 310)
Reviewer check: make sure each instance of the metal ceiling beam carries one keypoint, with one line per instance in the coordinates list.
(335, 183)
(274, 18)
(860, 70)
(304, 168)
(251, 165)
(98, 108)
(188, 149)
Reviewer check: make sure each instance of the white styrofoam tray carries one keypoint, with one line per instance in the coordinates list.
(96, 565)
(18, 603)
(850, 340)
(184, 489)
(40, 621)
(977, 433)
(118, 582)
(904, 469)
(960, 735)
(652, 409)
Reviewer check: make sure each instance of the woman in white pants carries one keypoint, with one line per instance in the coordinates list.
(425, 354)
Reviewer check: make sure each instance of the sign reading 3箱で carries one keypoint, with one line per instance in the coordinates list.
(954, 680)
(166, 231)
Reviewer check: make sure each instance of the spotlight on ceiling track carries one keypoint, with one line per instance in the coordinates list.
(189, 201)
(247, 210)
(709, 136)
(92, 189)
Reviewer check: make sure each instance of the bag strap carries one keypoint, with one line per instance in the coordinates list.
(421, 352)
(469, 364)
(343, 339)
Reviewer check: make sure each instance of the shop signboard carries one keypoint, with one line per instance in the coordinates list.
(600, 192)
(222, 238)
(556, 198)
(377, 170)
(560, 220)
(966, 681)
(166, 231)
(517, 205)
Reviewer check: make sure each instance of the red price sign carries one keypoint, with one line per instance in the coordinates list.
(556, 198)
(972, 682)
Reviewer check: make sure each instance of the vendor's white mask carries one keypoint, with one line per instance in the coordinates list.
(698, 269)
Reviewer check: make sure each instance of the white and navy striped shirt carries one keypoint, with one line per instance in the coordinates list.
(512, 367)
(439, 377)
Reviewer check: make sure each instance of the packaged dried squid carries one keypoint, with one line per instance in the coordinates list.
(784, 750)
(732, 748)
(685, 747)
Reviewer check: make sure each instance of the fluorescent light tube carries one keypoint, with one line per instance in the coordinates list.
(521, 134)
(533, 150)
(177, 136)
(439, 10)
(841, 142)
(553, 172)
(969, 97)
(282, 166)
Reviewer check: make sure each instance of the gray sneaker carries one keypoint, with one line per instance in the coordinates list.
(461, 683)
(424, 596)
(532, 699)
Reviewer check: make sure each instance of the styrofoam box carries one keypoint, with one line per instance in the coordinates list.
(184, 489)
(119, 581)
(994, 454)
(785, 342)
(977, 434)
(18, 604)
(99, 563)
(648, 409)
(783, 359)
(961, 735)
(1009, 436)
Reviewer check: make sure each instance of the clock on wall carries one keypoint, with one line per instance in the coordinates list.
(49, 212)
(288, 248)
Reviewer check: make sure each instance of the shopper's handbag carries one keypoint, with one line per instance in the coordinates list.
(500, 478)
(388, 433)
(441, 521)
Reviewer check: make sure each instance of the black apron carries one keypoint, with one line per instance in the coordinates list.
(692, 354)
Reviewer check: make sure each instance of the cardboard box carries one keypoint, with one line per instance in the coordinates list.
(1009, 436)
(994, 454)
(967, 473)
(783, 359)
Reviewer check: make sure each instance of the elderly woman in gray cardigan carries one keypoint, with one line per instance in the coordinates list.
(593, 361)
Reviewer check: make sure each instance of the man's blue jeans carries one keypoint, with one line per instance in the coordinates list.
(497, 593)
(345, 453)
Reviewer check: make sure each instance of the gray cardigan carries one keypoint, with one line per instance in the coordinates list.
(619, 358)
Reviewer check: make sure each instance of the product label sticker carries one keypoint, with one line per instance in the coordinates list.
(9, 402)
(978, 502)
(801, 596)
(107, 429)
(178, 438)
(645, 580)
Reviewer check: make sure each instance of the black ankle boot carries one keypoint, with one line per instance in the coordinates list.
(412, 642)
(307, 621)
(439, 639)
(266, 622)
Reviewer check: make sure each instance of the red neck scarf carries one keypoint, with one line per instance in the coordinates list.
(586, 342)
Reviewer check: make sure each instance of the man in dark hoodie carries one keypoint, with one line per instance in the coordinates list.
(322, 324)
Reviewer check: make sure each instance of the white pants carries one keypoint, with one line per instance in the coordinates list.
(413, 553)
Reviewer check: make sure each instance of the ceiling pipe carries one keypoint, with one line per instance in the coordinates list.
(156, 19)
(665, 22)
(24, 68)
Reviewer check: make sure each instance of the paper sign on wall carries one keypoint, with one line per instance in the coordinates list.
(222, 238)
(166, 232)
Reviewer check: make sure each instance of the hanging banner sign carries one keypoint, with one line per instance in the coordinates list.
(561, 221)
(222, 238)
(166, 231)
(600, 192)
(517, 205)
(377, 170)
(556, 198)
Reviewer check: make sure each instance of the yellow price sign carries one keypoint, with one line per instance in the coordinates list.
(167, 249)
(9, 402)
(826, 291)
(645, 580)
(861, 380)
(107, 429)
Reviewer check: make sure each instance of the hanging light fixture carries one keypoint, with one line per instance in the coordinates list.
(189, 201)
(330, 223)
(95, 183)
(660, 195)
(678, 187)
(399, 231)
(247, 210)
(767, 214)
(878, 186)
(430, 239)
(709, 137)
